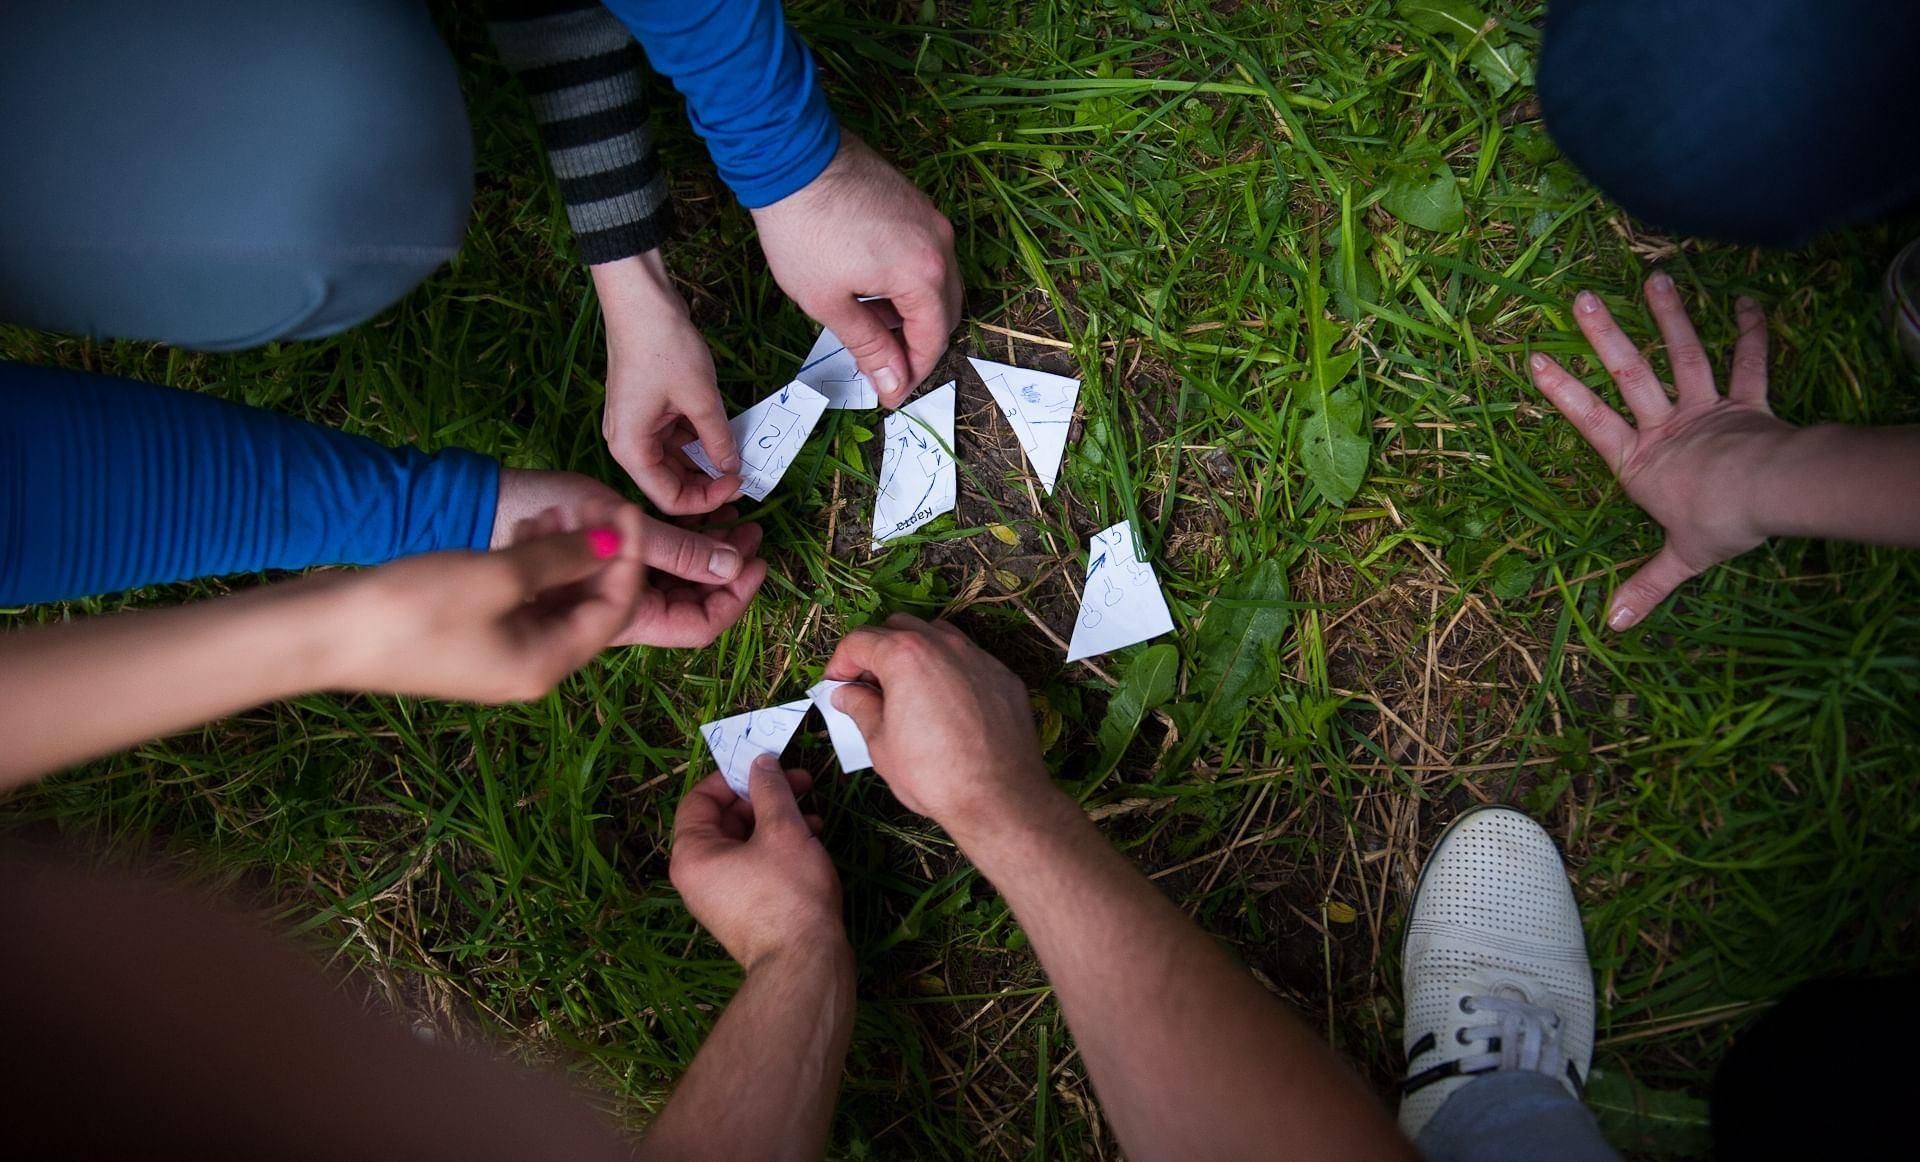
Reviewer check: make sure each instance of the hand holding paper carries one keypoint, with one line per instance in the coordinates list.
(769, 435)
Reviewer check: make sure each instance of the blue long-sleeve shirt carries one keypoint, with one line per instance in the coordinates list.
(751, 89)
(109, 484)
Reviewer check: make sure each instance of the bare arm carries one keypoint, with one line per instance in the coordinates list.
(1190, 1055)
(754, 874)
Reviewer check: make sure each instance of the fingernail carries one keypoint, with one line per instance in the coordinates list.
(1661, 281)
(1744, 303)
(768, 764)
(1538, 361)
(729, 466)
(886, 381)
(1587, 302)
(605, 543)
(724, 563)
(1620, 618)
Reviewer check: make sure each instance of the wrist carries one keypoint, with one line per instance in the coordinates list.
(1034, 812)
(1776, 473)
(822, 952)
(637, 285)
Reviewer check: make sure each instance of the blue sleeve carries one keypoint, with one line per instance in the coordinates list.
(109, 484)
(750, 86)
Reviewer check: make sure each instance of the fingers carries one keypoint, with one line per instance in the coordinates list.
(774, 807)
(603, 609)
(928, 314)
(1747, 383)
(709, 423)
(1692, 373)
(863, 704)
(874, 348)
(1646, 589)
(701, 816)
(860, 653)
(693, 556)
(690, 618)
(1608, 433)
(1638, 385)
(550, 562)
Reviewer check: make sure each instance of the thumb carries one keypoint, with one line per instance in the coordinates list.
(876, 349)
(863, 704)
(709, 424)
(774, 807)
(688, 555)
(553, 561)
(1646, 589)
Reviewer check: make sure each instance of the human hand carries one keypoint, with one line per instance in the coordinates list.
(753, 872)
(502, 626)
(697, 582)
(862, 229)
(1691, 460)
(661, 390)
(950, 729)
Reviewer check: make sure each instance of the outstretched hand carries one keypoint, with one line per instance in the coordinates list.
(752, 871)
(1691, 455)
(862, 230)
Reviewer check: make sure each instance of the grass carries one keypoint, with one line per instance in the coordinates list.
(1143, 192)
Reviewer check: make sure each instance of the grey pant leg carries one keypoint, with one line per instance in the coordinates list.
(1514, 1117)
(221, 173)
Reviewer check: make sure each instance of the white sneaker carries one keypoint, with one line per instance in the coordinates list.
(1494, 967)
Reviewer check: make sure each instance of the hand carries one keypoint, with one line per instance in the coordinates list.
(753, 871)
(862, 229)
(950, 729)
(1692, 459)
(697, 584)
(490, 627)
(661, 391)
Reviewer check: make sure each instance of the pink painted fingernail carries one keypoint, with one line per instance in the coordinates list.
(604, 542)
(1621, 618)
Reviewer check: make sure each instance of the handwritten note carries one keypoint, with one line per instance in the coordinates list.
(917, 478)
(1040, 408)
(1121, 603)
(830, 370)
(737, 741)
(849, 745)
(769, 435)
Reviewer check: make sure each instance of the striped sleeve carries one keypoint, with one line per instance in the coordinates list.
(584, 74)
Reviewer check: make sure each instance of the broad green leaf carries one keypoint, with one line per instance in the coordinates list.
(1333, 447)
(1642, 1120)
(1513, 577)
(1148, 684)
(1453, 18)
(1233, 656)
(1501, 66)
(1428, 197)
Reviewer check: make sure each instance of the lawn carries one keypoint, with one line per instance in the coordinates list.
(1204, 210)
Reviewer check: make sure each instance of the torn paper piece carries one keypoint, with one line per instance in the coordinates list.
(737, 741)
(830, 370)
(917, 478)
(849, 745)
(1040, 408)
(769, 435)
(1122, 603)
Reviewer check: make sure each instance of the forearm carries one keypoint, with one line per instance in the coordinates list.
(763, 1084)
(1840, 482)
(1190, 1055)
(75, 691)
(109, 484)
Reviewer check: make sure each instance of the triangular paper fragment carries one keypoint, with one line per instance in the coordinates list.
(737, 741)
(830, 370)
(1121, 603)
(849, 745)
(1040, 408)
(917, 478)
(769, 435)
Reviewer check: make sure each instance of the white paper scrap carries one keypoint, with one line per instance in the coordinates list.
(917, 478)
(830, 370)
(769, 435)
(849, 745)
(737, 741)
(1122, 603)
(1040, 408)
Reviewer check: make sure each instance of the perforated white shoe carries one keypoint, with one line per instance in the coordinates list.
(1494, 968)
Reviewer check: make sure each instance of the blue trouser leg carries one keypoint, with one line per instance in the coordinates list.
(1514, 1116)
(221, 173)
(1761, 123)
(108, 484)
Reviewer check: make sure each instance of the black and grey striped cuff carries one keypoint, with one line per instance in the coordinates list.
(584, 74)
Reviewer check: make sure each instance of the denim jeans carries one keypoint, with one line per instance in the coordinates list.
(1514, 1117)
(1765, 123)
(226, 172)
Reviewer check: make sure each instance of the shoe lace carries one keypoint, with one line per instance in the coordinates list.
(1517, 1033)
